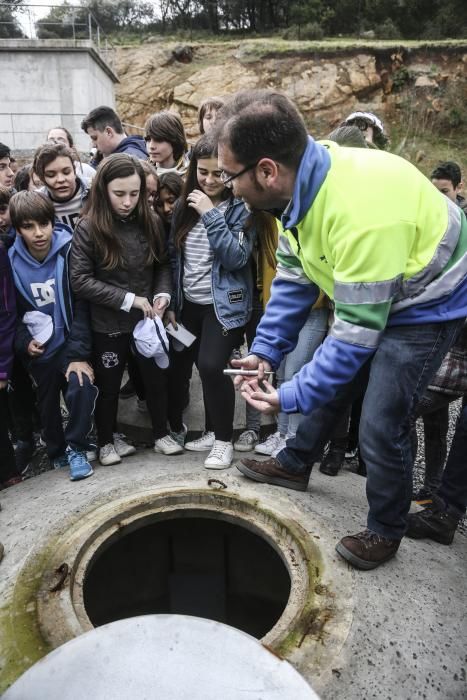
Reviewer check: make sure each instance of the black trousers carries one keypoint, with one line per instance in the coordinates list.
(7, 455)
(111, 353)
(49, 378)
(210, 352)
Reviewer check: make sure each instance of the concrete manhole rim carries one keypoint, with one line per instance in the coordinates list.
(60, 612)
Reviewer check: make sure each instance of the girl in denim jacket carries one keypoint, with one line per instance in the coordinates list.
(211, 245)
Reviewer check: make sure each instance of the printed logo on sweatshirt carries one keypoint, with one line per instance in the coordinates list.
(43, 292)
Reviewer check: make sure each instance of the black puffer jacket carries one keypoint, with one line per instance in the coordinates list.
(105, 289)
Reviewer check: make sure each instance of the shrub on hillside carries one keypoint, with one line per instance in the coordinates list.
(387, 30)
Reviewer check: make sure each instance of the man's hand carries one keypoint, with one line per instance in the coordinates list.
(199, 201)
(143, 304)
(250, 362)
(35, 349)
(263, 397)
(3, 384)
(159, 306)
(80, 368)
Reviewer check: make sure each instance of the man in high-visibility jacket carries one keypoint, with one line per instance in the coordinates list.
(372, 232)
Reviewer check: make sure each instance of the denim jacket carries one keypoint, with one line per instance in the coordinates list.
(231, 275)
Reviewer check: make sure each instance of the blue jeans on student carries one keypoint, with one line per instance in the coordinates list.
(398, 375)
(453, 489)
(309, 339)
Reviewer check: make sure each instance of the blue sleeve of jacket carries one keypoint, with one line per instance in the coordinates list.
(286, 312)
(334, 364)
(230, 243)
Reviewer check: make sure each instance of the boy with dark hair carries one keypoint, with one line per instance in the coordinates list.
(105, 130)
(53, 334)
(54, 165)
(447, 178)
(6, 173)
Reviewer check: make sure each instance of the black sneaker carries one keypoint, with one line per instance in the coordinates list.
(434, 523)
(128, 390)
(423, 496)
(332, 462)
(24, 452)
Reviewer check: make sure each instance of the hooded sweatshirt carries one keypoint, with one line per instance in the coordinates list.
(134, 146)
(39, 282)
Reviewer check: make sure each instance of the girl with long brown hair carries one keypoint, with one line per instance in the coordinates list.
(118, 264)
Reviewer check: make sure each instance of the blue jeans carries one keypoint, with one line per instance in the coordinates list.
(310, 338)
(453, 489)
(398, 375)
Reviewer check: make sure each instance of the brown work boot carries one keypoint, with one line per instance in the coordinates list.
(367, 549)
(271, 471)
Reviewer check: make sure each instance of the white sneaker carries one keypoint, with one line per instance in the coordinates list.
(167, 446)
(280, 444)
(246, 441)
(180, 436)
(220, 456)
(108, 455)
(122, 448)
(269, 445)
(205, 442)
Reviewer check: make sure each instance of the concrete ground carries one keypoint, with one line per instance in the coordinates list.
(408, 635)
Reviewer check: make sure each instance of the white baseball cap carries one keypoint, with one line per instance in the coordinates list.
(151, 341)
(40, 325)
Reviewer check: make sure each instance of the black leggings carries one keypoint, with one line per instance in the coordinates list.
(111, 354)
(210, 352)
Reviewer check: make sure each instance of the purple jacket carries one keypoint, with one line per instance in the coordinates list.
(7, 315)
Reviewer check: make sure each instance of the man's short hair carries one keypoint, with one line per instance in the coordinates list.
(5, 196)
(30, 206)
(47, 153)
(4, 151)
(348, 136)
(448, 170)
(100, 117)
(257, 124)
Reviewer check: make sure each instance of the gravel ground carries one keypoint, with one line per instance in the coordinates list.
(40, 462)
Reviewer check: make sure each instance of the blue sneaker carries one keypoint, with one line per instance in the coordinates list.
(60, 462)
(79, 465)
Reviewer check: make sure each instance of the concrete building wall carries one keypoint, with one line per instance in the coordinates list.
(43, 84)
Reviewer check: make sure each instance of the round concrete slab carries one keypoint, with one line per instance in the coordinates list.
(162, 656)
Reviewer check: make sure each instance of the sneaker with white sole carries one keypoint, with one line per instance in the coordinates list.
(108, 455)
(205, 442)
(122, 448)
(246, 441)
(180, 437)
(268, 446)
(79, 465)
(220, 456)
(167, 446)
(280, 445)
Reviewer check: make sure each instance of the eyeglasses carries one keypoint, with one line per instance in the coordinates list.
(228, 179)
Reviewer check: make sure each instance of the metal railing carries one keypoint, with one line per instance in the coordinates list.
(75, 24)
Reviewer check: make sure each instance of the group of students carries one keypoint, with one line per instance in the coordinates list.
(95, 262)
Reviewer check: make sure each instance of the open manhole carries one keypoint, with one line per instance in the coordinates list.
(189, 565)
(256, 564)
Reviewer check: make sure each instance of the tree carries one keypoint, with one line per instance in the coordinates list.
(9, 24)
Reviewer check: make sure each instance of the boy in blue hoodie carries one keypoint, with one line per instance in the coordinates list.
(53, 334)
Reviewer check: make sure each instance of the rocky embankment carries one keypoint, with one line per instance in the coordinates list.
(426, 82)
